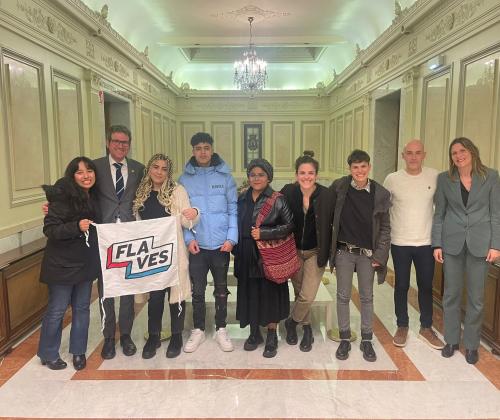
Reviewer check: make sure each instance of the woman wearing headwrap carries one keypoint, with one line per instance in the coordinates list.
(158, 195)
(260, 302)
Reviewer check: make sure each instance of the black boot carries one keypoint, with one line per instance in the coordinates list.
(369, 354)
(271, 348)
(307, 339)
(174, 346)
(291, 331)
(343, 349)
(254, 339)
(151, 345)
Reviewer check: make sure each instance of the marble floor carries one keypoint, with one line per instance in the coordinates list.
(410, 383)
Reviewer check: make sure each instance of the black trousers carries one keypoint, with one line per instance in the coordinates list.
(156, 305)
(125, 316)
(423, 259)
(199, 264)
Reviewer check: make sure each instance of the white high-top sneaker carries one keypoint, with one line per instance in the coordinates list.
(195, 339)
(223, 340)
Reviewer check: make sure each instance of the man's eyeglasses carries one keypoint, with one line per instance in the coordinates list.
(120, 143)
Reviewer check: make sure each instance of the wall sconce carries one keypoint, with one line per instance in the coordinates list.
(435, 62)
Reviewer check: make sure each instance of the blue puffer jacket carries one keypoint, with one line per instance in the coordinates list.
(213, 191)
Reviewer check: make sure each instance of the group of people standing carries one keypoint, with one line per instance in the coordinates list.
(347, 225)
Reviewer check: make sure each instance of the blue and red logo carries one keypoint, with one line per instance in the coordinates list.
(140, 257)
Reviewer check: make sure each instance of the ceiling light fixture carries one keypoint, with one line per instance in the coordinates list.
(250, 72)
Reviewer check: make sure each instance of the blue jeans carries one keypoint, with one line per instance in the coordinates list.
(60, 296)
(423, 259)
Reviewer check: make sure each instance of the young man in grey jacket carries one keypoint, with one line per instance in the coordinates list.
(360, 242)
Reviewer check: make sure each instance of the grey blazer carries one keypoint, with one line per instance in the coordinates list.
(477, 224)
(109, 205)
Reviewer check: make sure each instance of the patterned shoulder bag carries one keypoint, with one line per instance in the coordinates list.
(279, 256)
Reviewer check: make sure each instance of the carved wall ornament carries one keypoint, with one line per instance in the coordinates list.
(250, 10)
(358, 50)
(90, 48)
(36, 17)
(387, 64)
(410, 77)
(355, 86)
(114, 65)
(135, 78)
(95, 80)
(454, 19)
(412, 47)
(368, 75)
(467, 10)
(104, 12)
(398, 11)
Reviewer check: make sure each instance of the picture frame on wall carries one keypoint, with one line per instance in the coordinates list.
(252, 142)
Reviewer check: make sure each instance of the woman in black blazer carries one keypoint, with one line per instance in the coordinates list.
(70, 262)
(466, 237)
(312, 208)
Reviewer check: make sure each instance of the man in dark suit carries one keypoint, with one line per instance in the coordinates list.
(117, 179)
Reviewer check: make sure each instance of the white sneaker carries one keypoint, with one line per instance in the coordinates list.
(223, 340)
(195, 339)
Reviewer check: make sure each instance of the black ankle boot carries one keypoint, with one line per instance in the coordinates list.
(174, 346)
(271, 348)
(343, 349)
(291, 331)
(254, 339)
(307, 339)
(151, 345)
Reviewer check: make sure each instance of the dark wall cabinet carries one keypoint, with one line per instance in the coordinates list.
(22, 297)
(491, 319)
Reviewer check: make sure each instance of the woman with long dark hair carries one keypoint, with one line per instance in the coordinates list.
(312, 210)
(466, 238)
(158, 195)
(70, 262)
(260, 302)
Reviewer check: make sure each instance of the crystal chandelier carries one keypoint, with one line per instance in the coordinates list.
(250, 73)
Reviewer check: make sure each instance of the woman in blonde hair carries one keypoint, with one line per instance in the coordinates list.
(159, 196)
(465, 238)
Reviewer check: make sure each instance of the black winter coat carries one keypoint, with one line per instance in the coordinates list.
(314, 229)
(67, 259)
(277, 225)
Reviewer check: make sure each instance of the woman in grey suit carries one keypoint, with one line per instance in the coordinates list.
(466, 237)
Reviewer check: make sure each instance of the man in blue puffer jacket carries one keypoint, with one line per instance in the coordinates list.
(212, 190)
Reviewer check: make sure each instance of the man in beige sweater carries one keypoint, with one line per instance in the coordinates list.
(412, 190)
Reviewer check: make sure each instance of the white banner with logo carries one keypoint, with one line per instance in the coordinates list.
(138, 257)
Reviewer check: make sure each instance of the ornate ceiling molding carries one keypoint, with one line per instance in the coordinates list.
(256, 12)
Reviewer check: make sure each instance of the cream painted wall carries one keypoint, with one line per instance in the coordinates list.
(54, 75)
(52, 68)
(291, 124)
(461, 98)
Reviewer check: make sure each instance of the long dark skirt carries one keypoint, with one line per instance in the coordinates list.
(261, 301)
